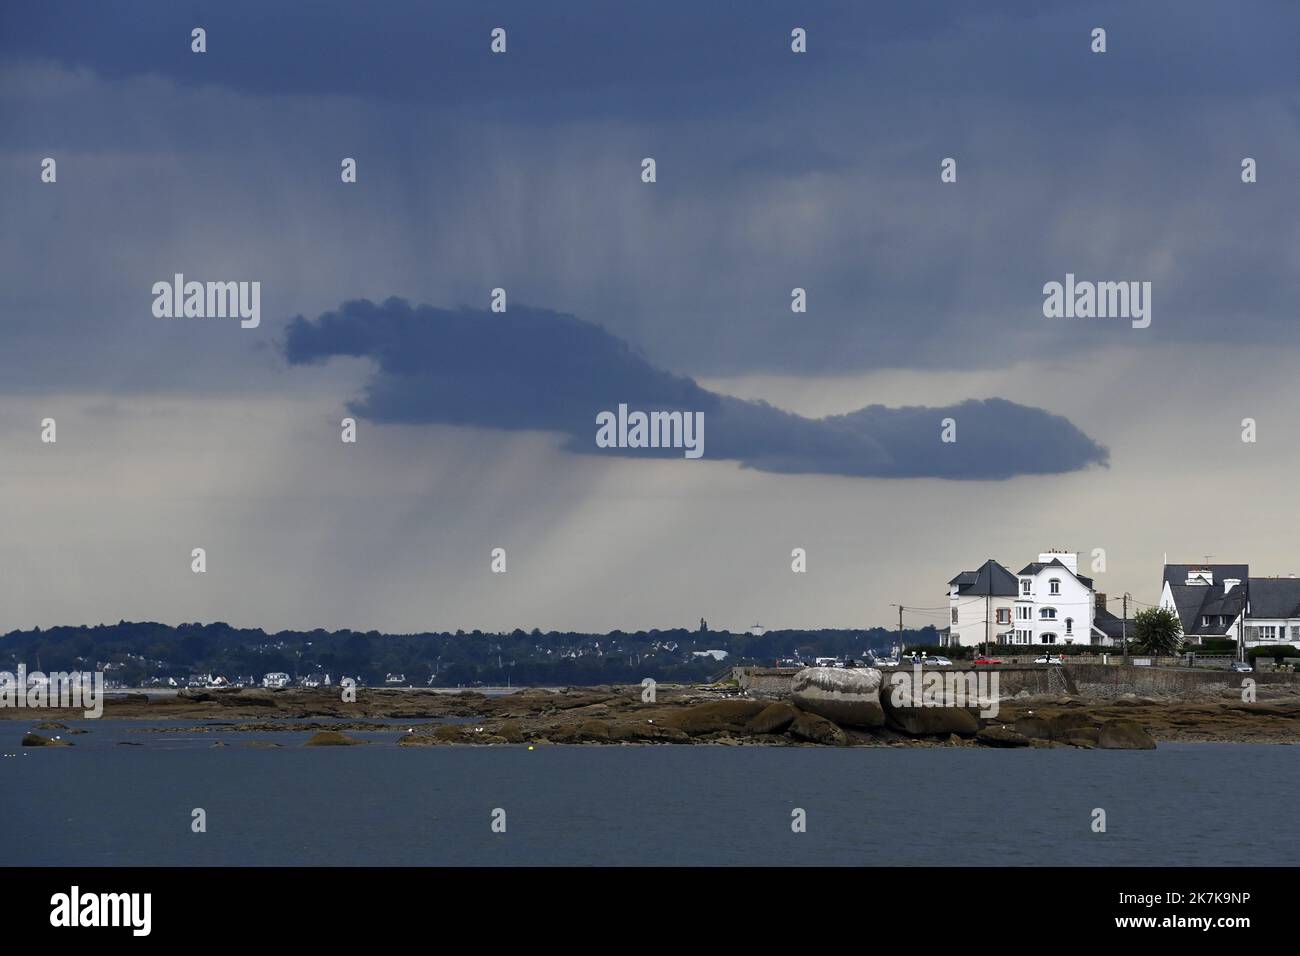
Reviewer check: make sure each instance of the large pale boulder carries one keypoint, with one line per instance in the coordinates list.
(845, 695)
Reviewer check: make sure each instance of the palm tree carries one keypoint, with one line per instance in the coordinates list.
(1159, 631)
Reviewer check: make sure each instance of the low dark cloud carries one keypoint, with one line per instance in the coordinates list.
(535, 369)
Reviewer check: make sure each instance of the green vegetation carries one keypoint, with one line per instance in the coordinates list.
(1158, 632)
(1277, 652)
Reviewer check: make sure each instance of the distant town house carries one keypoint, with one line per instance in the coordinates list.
(1224, 601)
(1048, 602)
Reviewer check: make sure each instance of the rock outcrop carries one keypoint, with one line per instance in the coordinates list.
(714, 717)
(36, 740)
(331, 738)
(816, 729)
(1124, 735)
(999, 735)
(772, 719)
(848, 696)
(933, 721)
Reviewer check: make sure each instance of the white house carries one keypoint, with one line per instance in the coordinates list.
(276, 679)
(1056, 604)
(980, 606)
(1048, 602)
(1224, 601)
(1273, 611)
(1209, 599)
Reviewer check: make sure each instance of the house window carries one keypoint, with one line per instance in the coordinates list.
(1047, 614)
(1054, 586)
(1069, 625)
(1004, 615)
(954, 615)
(1049, 638)
(1025, 585)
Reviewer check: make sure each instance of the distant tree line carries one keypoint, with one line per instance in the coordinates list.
(139, 651)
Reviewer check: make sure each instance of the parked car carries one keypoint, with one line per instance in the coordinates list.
(886, 662)
(937, 661)
(1240, 667)
(987, 660)
(1048, 660)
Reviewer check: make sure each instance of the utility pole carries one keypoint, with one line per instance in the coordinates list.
(900, 632)
(1123, 626)
(987, 598)
(1241, 629)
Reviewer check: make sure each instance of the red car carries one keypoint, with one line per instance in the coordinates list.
(987, 660)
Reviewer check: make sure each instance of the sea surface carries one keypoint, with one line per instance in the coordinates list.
(100, 803)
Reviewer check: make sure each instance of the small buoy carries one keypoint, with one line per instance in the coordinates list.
(530, 746)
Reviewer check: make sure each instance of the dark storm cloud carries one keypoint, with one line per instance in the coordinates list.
(536, 369)
(776, 171)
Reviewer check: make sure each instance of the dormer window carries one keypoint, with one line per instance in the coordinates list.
(1054, 586)
(1026, 584)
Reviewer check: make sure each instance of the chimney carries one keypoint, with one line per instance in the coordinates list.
(1068, 558)
(1230, 583)
(1101, 602)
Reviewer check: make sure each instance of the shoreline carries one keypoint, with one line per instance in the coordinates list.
(695, 715)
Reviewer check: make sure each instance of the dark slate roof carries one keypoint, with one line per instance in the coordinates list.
(992, 579)
(1194, 601)
(1112, 625)
(1034, 567)
(1274, 597)
(1177, 573)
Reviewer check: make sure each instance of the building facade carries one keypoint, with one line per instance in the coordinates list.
(1224, 601)
(1048, 602)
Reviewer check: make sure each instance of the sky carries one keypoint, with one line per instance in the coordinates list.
(522, 171)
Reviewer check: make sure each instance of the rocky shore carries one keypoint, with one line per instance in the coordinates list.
(825, 710)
